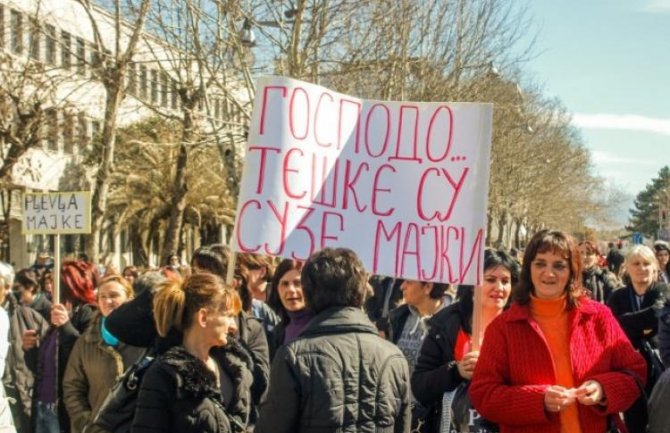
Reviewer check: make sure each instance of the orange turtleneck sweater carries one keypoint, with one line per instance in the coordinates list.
(552, 316)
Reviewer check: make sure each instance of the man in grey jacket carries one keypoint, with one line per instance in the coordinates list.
(339, 375)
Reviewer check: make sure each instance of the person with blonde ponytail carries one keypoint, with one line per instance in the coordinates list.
(202, 384)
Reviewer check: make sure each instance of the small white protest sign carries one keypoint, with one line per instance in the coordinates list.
(57, 213)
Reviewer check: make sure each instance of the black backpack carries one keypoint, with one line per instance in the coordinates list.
(117, 411)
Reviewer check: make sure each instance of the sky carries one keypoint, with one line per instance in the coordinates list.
(608, 61)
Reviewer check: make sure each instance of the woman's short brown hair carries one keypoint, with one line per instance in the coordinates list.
(557, 242)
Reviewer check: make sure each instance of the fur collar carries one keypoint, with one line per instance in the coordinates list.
(195, 380)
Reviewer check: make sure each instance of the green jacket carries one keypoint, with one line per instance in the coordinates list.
(91, 371)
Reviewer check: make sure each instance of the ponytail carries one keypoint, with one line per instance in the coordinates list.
(168, 305)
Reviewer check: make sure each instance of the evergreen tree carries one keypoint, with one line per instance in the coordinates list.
(645, 216)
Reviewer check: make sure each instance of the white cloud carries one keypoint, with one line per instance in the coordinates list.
(631, 122)
(657, 6)
(608, 159)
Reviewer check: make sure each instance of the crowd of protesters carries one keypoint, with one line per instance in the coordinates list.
(575, 341)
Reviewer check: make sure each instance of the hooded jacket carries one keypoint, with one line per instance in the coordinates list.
(90, 373)
(338, 376)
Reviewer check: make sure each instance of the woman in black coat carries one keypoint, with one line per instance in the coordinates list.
(202, 385)
(445, 360)
(637, 308)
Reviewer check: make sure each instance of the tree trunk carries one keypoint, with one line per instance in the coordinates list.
(489, 226)
(99, 200)
(517, 233)
(178, 202)
(502, 224)
(140, 255)
(6, 211)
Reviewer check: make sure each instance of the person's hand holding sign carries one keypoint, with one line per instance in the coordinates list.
(59, 315)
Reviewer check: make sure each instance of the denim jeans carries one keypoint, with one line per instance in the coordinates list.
(46, 420)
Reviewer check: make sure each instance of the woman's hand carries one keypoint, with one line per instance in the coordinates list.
(590, 393)
(29, 339)
(557, 398)
(59, 315)
(466, 366)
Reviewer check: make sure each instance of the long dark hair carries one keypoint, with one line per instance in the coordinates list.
(557, 242)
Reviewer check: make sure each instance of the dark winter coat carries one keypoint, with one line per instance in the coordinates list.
(435, 371)
(82, 317)
(91, 371)
(396, 323)
(664, 335)
(338, 376)
(180, 394)
(600, 282)
(133, 323)
(643, 322)
(19, 379)
(42, 305)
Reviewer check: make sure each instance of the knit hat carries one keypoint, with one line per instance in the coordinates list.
(78, 281)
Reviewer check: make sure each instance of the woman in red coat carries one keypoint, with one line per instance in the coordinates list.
(556, 361)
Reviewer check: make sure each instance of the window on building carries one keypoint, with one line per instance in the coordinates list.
(81, 56)
(82, 130)
(217, 108)
(164, 89)
(96, 127)
(68, 133)
(154, 86)
(35, 31)
(16, 24)
(52, 129)
(50, 44)
(66, 49)
(131, 86)
(143, 82)
(95, 56)
(2, 26)
(175, 96)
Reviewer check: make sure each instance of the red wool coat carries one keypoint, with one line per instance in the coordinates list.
(515, 367)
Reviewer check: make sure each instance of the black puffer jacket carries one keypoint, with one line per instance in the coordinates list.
(435, 372)
(180, 394)
(600, 282)
(338, 376)
(664, 335)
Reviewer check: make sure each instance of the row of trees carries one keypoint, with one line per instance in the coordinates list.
(182, 166)
(650, 215)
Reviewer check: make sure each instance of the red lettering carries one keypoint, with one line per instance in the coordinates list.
(414, 136)
(376, 189)
(286, 170)
(282, 219)
(316, 121)
(376, 130)
(261, 174)
(475, 252)
(349, 185)
(444, 254)
(353, 124)
(436, 251)
(456, 189)
(324, 227)
(450, 124)
(291, 113)
(238, 227)
(329, 177)
(265, 101)
(411, 235)
(381, 231)
(301, 226)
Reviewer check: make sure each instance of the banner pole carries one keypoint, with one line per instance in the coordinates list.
(56, 271)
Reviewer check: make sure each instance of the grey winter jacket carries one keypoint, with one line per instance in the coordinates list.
(338, 376)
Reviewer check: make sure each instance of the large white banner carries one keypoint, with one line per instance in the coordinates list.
(404, 184)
